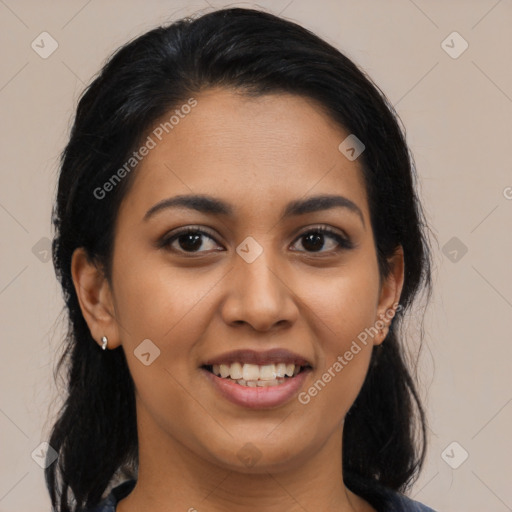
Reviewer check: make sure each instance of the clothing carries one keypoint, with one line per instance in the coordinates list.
(383, 500)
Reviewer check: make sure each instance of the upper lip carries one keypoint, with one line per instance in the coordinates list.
(274, 356)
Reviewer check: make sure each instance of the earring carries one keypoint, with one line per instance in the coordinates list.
(105, 341)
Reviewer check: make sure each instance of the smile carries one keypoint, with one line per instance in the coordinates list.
(256, 386)
(253, 375)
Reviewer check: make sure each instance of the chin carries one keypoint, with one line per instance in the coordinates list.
(258, 454)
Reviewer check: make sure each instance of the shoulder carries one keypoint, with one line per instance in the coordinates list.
(382, 498)
(393, 501)
(108, 504)
(400, 503)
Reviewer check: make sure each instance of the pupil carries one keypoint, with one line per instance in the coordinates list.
(315, 237)
(194, 246)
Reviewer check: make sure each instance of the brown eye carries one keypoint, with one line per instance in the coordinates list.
(314, 240)
(192, 240)
(188, 240)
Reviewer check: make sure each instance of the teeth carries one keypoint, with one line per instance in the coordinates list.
(236, 371)
(253, 374)
(267, 372)
(222, 369)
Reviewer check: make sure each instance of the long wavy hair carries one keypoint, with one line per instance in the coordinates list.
(257, 53)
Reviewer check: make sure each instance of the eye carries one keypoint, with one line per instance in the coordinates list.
(189, 240)
(314, 239)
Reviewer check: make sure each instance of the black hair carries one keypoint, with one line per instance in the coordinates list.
(257, 53)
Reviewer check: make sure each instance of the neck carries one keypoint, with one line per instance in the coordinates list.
(172, 477)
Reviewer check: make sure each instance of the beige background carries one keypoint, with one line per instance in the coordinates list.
(458, 115)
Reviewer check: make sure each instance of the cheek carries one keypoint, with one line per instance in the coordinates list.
(156, 302)
(343, 352)
(169, 308)
(344, 302)
(343, 310)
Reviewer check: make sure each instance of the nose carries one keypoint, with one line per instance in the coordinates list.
(259, 295)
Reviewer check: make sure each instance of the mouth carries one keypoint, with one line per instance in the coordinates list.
(275, 388)
(253, 375)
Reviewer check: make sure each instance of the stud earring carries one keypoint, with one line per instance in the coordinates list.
(105, 341)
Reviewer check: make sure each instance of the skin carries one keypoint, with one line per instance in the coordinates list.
(256, 154)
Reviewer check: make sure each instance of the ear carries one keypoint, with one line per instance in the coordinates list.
(95, 298)
(390, 291)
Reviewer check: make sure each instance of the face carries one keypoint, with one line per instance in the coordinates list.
(256, 274)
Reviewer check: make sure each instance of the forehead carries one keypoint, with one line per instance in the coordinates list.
(252, 151)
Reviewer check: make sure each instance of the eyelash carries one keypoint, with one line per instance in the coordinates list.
(343, 242)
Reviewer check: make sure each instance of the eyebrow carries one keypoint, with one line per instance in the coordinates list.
(213, 206)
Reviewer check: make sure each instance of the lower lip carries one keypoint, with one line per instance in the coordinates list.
(258, 397)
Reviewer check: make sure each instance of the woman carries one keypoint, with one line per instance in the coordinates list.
(238, 239)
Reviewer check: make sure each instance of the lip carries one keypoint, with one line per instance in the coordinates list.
(258, 397)
(276, 355)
